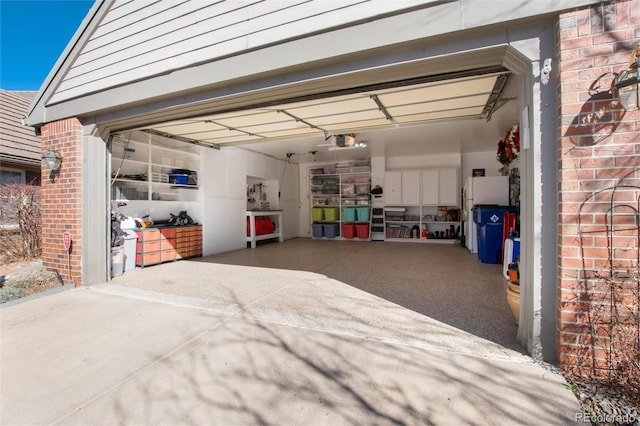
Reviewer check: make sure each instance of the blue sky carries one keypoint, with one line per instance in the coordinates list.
(33, 34)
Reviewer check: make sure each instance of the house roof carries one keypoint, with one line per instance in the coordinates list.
(18, 142)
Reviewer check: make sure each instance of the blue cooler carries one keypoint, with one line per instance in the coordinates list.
(490, 220)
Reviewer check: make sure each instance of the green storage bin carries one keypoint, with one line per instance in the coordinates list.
(349, 214)
(363, 214)
(331, 214)
(317, 214)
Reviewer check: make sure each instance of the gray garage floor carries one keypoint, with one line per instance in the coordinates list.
(311, 332)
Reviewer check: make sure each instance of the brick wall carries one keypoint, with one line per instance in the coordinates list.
(62, 199)
(598, 157)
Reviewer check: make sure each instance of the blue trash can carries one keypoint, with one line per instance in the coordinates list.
(490, 220)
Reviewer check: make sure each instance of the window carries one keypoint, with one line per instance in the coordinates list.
(11, 176)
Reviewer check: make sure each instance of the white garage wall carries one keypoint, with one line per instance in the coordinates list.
(224, 179)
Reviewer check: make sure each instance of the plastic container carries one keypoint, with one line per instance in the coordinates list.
(117, 261)
(331, 214)
(363, 214)
(348, 230)
(363, 188)
(331, 230)
(317, 214)
(348, 189)
(362, 230)
(490, 220)
(349, 214)
(178, 179)
(317, 230)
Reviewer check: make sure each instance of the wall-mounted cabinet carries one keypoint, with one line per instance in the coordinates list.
(402, 187)
(438, 187)
(146, 170)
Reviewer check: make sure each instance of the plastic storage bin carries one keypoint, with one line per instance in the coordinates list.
(362, 230)
(490, 234)
(178, 179)
(331, 230)
(363, 188)
(331, 214)
(317, 230)
(317, 214)
(348, 230)
(349, 214)
(363, 214)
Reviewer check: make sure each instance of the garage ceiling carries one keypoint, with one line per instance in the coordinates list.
(472, 97)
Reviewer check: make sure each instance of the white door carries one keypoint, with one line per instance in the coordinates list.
(430, 185)
(392, 189)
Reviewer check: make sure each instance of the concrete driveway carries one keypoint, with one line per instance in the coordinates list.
(252, 345)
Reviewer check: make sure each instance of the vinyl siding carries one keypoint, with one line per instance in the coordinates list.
(137, 40)
(18, 143)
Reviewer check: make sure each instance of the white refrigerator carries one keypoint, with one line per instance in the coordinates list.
(482, 190)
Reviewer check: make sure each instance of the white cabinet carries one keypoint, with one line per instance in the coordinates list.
(392, 188)
(162, 170)
(430, 182)
(411, 188)
(440, 187)
(402, 187)
(448, 188)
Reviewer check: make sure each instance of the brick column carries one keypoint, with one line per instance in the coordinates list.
(598, 154)
(62, 199)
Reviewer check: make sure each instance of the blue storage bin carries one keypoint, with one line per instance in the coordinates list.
(179, 179)
(317, 230)
(331, 230)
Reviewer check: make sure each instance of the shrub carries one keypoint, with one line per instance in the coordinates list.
(11, 293)
(20, 221)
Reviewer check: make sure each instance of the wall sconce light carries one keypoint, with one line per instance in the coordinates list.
(627, 82)
(52, 161)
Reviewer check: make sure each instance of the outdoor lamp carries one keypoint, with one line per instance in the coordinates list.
(627, 82)
(52, 161)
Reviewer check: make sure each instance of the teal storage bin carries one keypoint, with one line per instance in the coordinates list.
(349, 214)
(363, 214)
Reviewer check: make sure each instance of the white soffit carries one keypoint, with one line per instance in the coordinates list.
(442, 100)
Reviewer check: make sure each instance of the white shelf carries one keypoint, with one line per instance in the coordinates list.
(423, 240)
(344, 196)
(144, 155)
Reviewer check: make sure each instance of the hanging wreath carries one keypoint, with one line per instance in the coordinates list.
(509, 147)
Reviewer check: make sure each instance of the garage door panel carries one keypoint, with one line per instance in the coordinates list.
(357, 124)
(354, 103)
(439, 115)
(341, 118)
